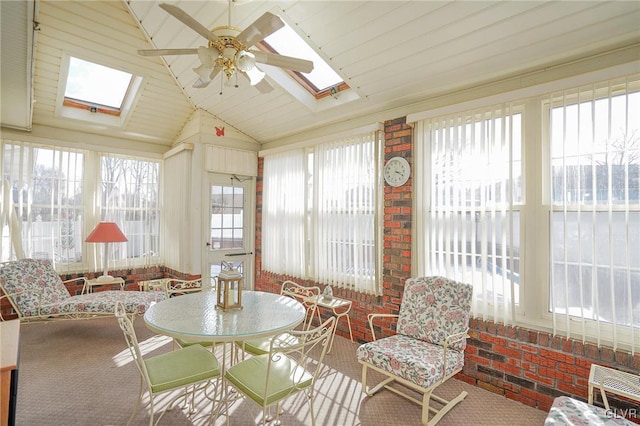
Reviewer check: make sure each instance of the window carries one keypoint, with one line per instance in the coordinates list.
(471, 199)
(540, 212)
(51, 206)
(322, 80)
(43, 217)
(594, 138)
(96, 87)
(129, 196)
(319, 213)
(96, 93)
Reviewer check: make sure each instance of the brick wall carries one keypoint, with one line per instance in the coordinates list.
(529, 366)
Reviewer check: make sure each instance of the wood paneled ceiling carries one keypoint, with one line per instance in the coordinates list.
(393, 54)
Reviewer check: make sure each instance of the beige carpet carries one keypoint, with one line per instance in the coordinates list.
(80, 373)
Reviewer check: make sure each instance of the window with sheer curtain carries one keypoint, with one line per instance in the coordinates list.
(557, 246)
(319, 213)
(53, 197)
(468, 194)
(129, 196)
(594, 209)
(283, 213)
(42, 203)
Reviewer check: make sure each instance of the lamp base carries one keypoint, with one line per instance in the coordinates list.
(104, 278)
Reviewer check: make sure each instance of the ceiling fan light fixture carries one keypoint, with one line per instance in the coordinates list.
(255, 76)
(245, 60)
(203, 72)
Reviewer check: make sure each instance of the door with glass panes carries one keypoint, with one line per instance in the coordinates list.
(230, 226)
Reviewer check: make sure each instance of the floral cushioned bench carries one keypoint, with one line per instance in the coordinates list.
(37, 292)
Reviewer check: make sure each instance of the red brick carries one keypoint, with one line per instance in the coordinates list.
(507, 351)
(537, 378)
(568, 359)
(573, 370)
(539, 360)
(509, 369)
(555, 374)
(573, 390)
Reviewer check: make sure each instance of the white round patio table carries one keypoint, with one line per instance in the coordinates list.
(195, 317)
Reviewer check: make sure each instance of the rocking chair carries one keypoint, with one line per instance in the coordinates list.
(429, 345)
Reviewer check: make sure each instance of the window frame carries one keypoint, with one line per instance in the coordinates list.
(535, 212)
(90, 209)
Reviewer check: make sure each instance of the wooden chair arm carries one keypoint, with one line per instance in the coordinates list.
(371, 317)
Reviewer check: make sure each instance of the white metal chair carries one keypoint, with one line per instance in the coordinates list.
(429, 345)
(298, 292)
(178, 369)
(286, 369)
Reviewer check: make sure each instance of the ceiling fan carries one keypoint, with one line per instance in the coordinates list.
(229, 51)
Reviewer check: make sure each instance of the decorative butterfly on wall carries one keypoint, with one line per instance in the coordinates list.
(219, 131)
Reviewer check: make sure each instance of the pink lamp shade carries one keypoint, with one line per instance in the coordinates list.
(106, 232)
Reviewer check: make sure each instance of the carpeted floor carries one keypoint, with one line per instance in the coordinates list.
(80, 373)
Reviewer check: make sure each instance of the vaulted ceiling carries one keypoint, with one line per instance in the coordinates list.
(392, 54)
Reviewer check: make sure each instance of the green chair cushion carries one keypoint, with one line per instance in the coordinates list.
(261, 346)
(181, 367)
(184, 343)
(286, 377)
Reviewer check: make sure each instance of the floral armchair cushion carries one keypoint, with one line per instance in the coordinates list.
(31, 281)
(412, 359)
(433, 308)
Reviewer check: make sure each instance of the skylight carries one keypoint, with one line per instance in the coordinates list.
(287, 42)
(96, 93)
(96, 85)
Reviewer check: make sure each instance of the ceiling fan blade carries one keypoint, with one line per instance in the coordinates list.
(264, 86)
(161, 52)
(186, 19)
(288, 62)
(262, 27)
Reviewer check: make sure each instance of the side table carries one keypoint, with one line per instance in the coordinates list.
(340, 309)
(615, 381)
(101, 281)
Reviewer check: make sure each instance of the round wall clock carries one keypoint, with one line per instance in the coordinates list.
(397, 171)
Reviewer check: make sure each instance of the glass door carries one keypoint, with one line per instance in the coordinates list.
(230, 224)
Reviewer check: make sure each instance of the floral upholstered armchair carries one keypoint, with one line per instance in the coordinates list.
(37, 293)
(429, 345)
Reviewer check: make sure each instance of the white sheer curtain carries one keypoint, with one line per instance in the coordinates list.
(283, 213)
(594, 176)
(45, 190)
(343, 214)
(467, 190)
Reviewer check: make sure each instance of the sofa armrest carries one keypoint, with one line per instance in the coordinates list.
(371, 317)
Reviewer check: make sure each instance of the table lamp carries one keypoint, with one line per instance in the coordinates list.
(106, 232)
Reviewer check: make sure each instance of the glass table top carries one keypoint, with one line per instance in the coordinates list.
(196, 317)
